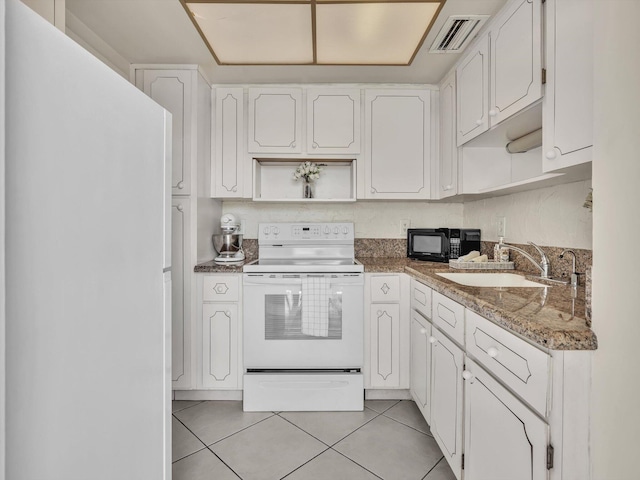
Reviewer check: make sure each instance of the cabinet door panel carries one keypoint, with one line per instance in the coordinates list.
(398, 144)
(504, 440)
(568, 118)
(472, 77)
(180, 299)
(385, 345)
(446, 399)
(516, 60)
(173, 90)
(448, 161)
(229, 155)
(421, 364)
(275, 121)
(333, 121)
(385, 288)
(219, 345)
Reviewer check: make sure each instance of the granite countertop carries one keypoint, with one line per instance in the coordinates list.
(550, 317)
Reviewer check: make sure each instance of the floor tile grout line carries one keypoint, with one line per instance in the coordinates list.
(310, 460)
(330, 445)
(241, 430)
(187, 456)
(189, 430)
(186, 408)
(386, 409)
(407, 425)
(432, 468)
(224, 463)
(352, 460)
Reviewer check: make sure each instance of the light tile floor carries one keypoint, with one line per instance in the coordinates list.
(388, 440)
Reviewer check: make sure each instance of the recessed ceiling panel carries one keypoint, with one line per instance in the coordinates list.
(256, 33)
(371, 33)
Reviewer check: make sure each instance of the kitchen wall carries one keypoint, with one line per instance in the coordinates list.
(372, 219)
(551, 216)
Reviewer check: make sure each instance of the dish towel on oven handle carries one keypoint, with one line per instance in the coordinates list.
(315, 306)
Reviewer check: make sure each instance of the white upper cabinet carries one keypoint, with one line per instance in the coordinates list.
(516, 59)
(473, 92)
(502, 73)
(229, 159)
(333, 121)
(275, 120)
(568, 110)
(174, 90)
(448, 158)
(397, 144)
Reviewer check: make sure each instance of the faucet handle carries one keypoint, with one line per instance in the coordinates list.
(540, 251)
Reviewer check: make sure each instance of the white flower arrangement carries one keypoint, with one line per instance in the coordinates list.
(307, 170)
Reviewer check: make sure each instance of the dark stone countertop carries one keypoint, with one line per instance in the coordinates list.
(552, 317)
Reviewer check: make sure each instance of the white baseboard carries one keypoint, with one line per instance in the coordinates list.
(207, 394)
(386, 394)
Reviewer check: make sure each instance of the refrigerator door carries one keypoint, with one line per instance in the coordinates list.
(87, 337)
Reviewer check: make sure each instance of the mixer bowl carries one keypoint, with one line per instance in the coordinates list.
(227, 244)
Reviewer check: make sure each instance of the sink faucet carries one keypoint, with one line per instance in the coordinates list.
(574, 273)
(543, 266)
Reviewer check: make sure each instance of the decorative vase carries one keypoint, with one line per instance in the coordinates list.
(307, 190)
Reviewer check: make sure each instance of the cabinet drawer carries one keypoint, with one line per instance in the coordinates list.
(220, 288)
(421, 298)
(448, 315)
(385, 288)
(518, 364)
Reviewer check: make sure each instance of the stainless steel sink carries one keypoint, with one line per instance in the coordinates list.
(490, 279)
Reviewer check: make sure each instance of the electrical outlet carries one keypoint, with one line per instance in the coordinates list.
(404, 226)
(501, 226)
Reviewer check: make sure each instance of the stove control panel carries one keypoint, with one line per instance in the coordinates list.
(305, 232)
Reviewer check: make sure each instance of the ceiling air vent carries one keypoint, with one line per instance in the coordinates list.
(457, 32)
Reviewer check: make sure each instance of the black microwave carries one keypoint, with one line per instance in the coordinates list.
(441, 244)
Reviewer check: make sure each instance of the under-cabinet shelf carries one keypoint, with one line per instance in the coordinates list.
(273, 181)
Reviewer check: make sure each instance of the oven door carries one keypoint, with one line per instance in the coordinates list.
(303, 321)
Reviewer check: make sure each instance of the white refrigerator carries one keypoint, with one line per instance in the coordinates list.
(87, 265)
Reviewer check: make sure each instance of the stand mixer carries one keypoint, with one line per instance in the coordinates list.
(228, 244)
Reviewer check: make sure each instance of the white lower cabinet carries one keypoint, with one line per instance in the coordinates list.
(447, 361)
(385, 345)
(387, 331)
(421, 364)
(503, 439)
(220, 345)
(219, 333)
(181, 372)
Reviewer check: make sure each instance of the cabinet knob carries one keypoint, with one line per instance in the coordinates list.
(551, 154)
(423, 331)
(234, 189)
(373, 190)
(315, 145)
(180, 208)
(180, 185)
(432, 339)
(492, 113)
(479, 121)
(447, 188)
(293, 145)
(492, 352)
(467, 375)
(228, 313)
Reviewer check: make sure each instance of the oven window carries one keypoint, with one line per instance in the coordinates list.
(427, 244)
(289, 317)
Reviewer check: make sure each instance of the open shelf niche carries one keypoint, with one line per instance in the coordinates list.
(273, 180)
